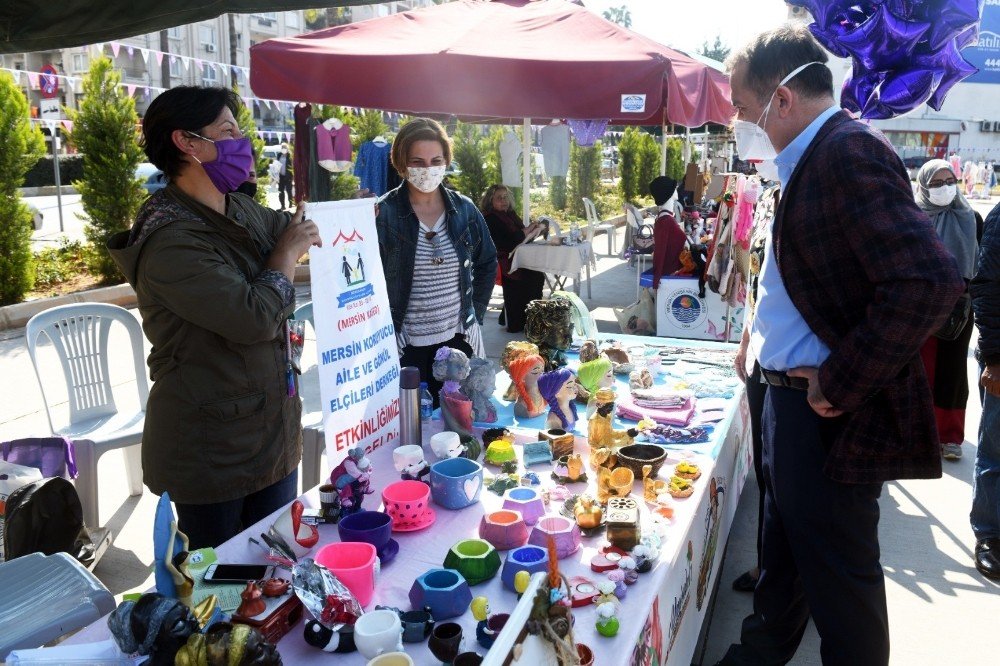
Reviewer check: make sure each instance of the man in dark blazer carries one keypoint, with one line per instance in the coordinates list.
(853, 283)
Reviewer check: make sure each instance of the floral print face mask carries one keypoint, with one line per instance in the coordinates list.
(425, 179)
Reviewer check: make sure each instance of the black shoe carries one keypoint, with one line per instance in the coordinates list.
(745, 583)
(502, 319)
(988, 558)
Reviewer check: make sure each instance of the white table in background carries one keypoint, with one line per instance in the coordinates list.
(560, 261)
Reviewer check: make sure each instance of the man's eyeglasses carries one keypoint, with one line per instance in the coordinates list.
(934, 184)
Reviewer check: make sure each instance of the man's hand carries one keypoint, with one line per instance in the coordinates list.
(740, 364)
(817, 401)
(990, 380)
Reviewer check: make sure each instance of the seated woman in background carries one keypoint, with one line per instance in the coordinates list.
(508, 231)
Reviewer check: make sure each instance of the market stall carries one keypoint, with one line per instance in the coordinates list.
(661, 614)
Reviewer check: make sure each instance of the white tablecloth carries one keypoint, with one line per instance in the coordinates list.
(651, 631)
(566, 260)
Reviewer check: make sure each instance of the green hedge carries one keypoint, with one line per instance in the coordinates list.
(43, 173)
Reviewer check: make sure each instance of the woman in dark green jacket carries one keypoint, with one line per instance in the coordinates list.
(213, 273)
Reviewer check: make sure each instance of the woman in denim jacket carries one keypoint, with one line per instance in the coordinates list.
(438, 258)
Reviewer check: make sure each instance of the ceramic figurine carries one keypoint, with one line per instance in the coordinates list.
(569, 469)
(512, 350)
(319, 636)
(177, 566)
(451, 366)
(530, 479)
(501, 483)
(525, 371)
(644, 557)
(252, 603)
(640, 379)
(652, 488)
(606, 589)
(447, 444)
(600, 433)
(628, 567)
(607, 619)
(591, 376)
(558, 388)
(479, 386)
(620, 360)
(588, 512)
(617, 483)
(499, 443)
(521, 581)
(549, 324)
(410, 463)
(275, 587)
(352, 479)
(481, 611)
(618, 578)
(588, 351)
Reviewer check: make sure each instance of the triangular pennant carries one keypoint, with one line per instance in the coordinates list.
(184, 61)
(100, 48)
(131, 89)
(115, 47)
(146, 92)
(130, 51)
(33, 80)
(236, 72)
(145, 56)
(159, 58)
(68, 124)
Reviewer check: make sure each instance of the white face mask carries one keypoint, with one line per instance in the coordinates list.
(768, 170)
(425, 179)
(942, 196)
(752, 142)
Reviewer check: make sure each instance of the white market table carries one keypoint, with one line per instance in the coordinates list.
(559, 261)
(662, 614)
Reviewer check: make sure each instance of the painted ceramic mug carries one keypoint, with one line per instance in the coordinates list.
(353, 563)
(372, 527)
(378, 632)
(392, 659)
(456, 482)
(407, 502)
(446, 641)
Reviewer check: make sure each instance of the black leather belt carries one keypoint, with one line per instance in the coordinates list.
(778, 378)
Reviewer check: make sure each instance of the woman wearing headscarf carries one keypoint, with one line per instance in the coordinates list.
(960, 228)
(524, 285)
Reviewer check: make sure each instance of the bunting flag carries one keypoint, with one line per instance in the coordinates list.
(159, 58)
(131, 89)
(130, 51)
(33, 79)
(115, 47)
(145, 56)
(68, 124)
(146, 92)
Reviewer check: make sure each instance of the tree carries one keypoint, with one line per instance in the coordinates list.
(105, 131)
(248, 128)
(620, 15)
(649, 162)
(470, 152)
(628, 164)
(718, 50)
(584, 176)
(21, 145)
(557, 192)
(675, 158)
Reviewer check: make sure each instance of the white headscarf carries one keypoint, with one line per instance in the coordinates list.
(955, 223)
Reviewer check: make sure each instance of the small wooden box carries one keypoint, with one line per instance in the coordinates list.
(623, 522)
(560, 440)
(279, 616)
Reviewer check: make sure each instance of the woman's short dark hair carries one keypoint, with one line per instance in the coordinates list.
(418, 129)
(772, 55)
(189, 108)
(486, 203)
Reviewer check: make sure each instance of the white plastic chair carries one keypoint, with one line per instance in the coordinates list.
(313, 440)
(635, 218)
(594, 225)
(45, 597)
(79, 334)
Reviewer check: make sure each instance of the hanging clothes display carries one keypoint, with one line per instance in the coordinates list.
(333, 145)
(510, 151)
(554, 141)
(301, 162)
(392, 177)
(587, 132)
(371, 165)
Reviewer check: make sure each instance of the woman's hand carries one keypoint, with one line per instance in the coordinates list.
(294, 242)
(990, 380)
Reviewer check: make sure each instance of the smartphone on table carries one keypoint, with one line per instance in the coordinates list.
(238, 573)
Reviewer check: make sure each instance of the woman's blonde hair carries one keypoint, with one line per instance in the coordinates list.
(486, 203)
(418, 129)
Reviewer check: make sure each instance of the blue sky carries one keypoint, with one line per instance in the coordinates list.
(686, 24)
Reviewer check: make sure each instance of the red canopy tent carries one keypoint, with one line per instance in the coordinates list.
(507, 59)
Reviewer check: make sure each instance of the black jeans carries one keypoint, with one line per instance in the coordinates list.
(422, 358)
(208, 525)
(285, 185)
(820, 551)
(756, 391)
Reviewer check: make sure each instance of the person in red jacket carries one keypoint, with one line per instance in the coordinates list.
(668, 236)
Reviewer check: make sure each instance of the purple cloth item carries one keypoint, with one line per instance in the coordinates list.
(676, 416)
(587, 132)
(333, 145)
(53, 456)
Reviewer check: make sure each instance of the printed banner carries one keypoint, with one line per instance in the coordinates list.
(986, 53)
(355, 339)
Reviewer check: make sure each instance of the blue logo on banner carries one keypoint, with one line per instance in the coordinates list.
(685, 308)
(633, 103)
(355, 295)
(986, 54)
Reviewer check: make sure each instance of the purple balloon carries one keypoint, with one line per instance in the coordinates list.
(967, 37)
(858, 88)
(902, 91)
(883, 40)
(953, 66)
(953, 18)
(823, 10)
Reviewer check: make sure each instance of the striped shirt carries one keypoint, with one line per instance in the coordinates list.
(433, 314)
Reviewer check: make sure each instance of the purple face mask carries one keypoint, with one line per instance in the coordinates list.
(232, 166)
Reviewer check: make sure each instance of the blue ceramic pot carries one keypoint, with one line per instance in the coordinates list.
(372, 527)
(445, 591)
(456, 482)
(526, 558)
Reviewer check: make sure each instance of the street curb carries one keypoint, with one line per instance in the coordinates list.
(17, 315)
(46, 191)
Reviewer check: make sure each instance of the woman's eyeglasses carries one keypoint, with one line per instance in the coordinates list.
(437, 258)
(941, 183)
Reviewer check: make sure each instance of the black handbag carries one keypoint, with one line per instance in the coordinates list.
(957, 320)
(642, 240)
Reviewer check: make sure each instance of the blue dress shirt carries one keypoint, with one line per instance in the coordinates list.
(779, 337)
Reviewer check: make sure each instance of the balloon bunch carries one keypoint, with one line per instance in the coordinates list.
(905, 52)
